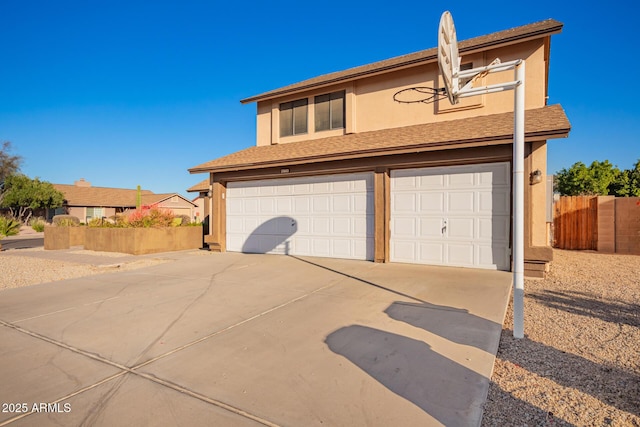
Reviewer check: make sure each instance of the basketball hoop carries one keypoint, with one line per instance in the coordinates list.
(448, 59)
(449, 64)
(423, 94)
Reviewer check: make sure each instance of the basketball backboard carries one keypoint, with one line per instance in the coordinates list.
(448, 59)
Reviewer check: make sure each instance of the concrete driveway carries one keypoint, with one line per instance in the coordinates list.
(234, 339)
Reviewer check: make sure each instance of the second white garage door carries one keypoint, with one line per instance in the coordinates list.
(455, 216)
(326, 216)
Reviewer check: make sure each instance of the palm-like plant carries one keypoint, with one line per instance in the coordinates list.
(8, 227)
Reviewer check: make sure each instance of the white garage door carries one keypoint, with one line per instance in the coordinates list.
(456, 216)
(326, 216)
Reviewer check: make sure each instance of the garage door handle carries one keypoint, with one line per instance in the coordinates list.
(444, 227)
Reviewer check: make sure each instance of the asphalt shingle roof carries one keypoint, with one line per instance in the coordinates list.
(541, 123)
(99, 196)
(201, 186)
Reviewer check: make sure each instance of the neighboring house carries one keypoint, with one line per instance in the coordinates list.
(340, 169)
(87, 202)
(201, 200)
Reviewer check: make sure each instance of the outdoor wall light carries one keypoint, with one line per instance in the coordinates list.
(535, 177)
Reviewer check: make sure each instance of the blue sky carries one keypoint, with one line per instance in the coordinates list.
(127, 93)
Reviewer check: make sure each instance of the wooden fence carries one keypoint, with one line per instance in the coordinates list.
(575, 222)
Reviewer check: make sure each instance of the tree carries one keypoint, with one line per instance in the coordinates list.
(600, 178)
(23, 195)
(9, 165)
(633, 175)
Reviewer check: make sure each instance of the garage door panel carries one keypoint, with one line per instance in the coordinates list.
(496, 254)
(462, 179)
(234, 206)
(267, 205)
(493, 229)
(460, 202)
(460, 254)
(320, 225)
(495, 176)
(301, 205)
(317, 216)
(362, 204)
(363, 249)
(340, 187)
(461, 228)
(251, 206)
(402, 181)
(282, 190)
(304, 225)
(341, 226)
(434, 181)
(341, 203)
(321, 247)
(341, 248)
(301, 188)
(474, 202)
(403, 250)
(431, 202)
(404, 202)
(321, 204)
(404, 226)
(431, 253)
(429, 228)
(363, 226)
(494, 203)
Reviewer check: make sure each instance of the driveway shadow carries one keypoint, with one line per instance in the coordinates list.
(614, 386)
(585, 304)
(272, 236)
(22, 243)
(410, 369)
(454, 324)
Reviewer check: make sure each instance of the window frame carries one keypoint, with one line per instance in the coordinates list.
(332, 96)
(288, 125)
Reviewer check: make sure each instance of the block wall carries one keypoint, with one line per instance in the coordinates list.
(627, 220)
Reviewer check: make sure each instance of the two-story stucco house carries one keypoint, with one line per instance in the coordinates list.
(341, 169)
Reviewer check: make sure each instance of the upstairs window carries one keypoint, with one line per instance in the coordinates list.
(465, 67)
(293, 117)
(329, 111)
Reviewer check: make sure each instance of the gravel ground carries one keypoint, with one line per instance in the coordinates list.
(579, 363)
(18, 271)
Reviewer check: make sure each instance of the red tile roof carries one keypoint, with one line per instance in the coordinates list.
(542, 123)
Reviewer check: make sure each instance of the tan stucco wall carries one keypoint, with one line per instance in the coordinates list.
(538, 194)
(178, 206)
(140, 241)
(198, 211)
(369, 102)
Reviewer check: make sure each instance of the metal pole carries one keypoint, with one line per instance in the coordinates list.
(518, 205)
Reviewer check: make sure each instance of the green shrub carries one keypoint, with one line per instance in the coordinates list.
(66, 221)
(38, 224)
(184, 219)
(9, 226)
(101, 222)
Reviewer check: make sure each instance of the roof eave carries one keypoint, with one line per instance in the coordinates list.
(417, 148)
